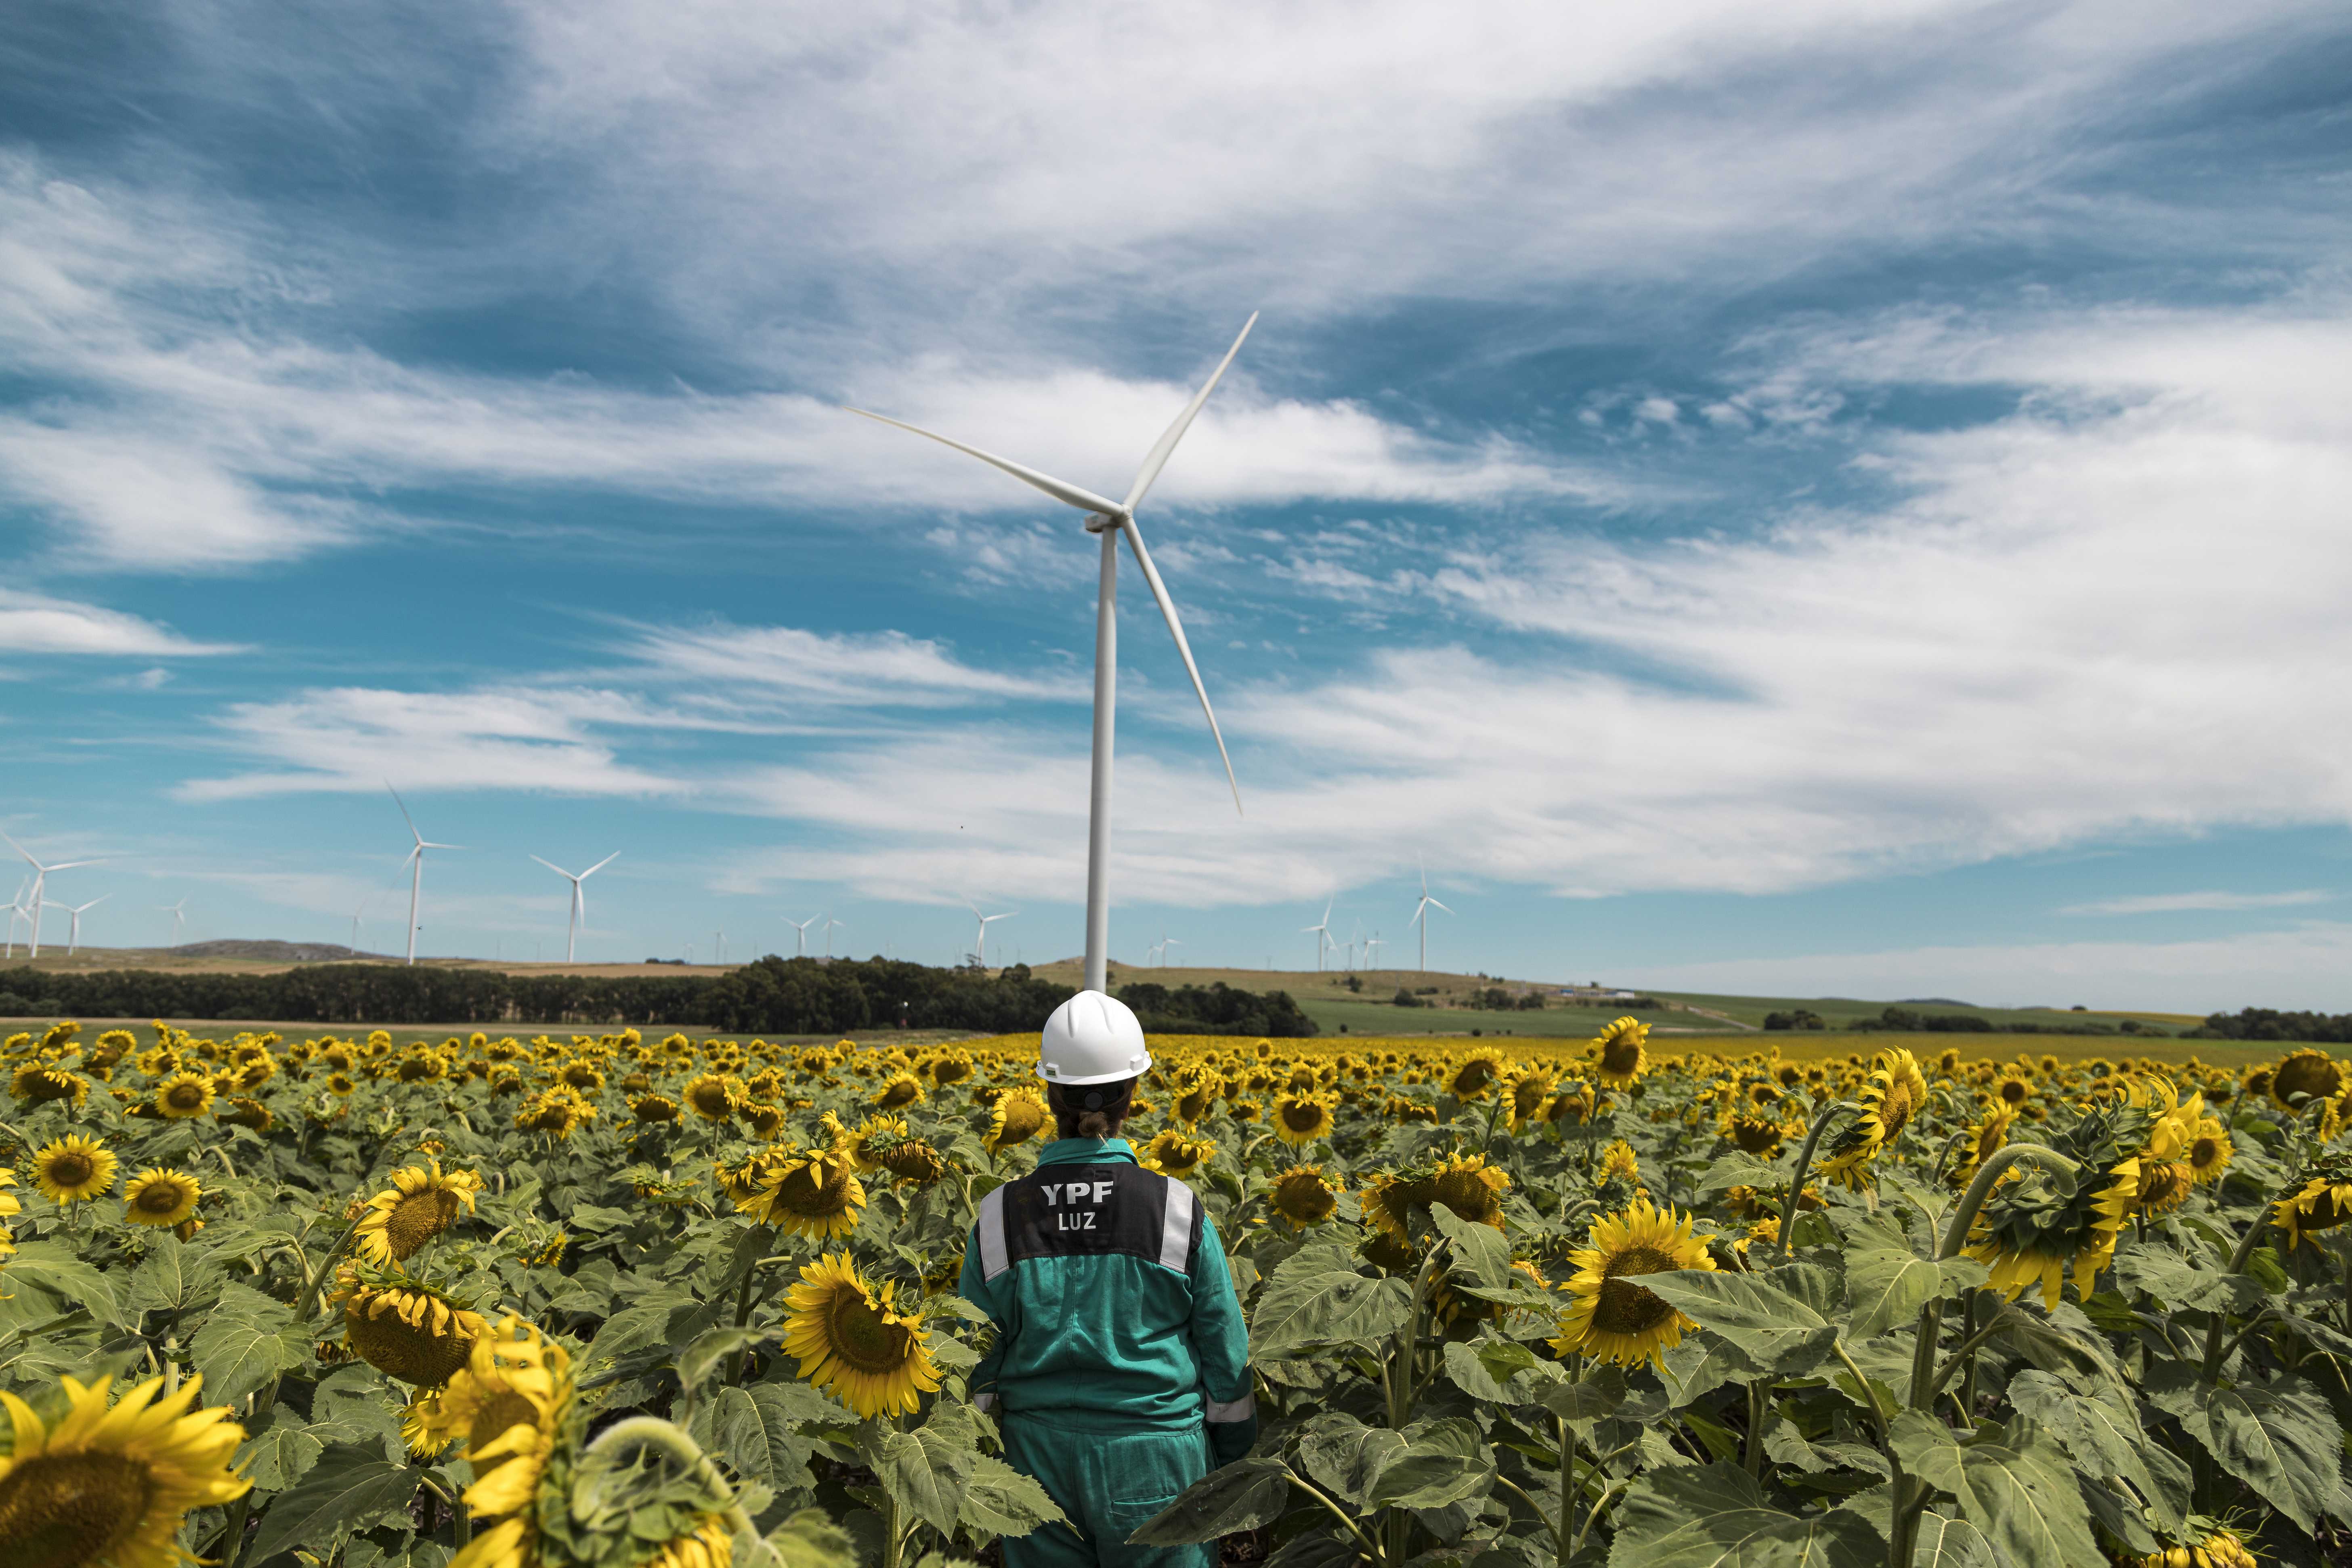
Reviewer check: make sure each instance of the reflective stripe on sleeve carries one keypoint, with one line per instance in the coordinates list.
(1176, 1230)
(1228, 1410)
(992, 1261)
(984, 1403)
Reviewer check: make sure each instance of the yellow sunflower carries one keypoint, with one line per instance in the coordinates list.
(851, 1339)
(1985, 1140)
(2210, 1151)
(2218, 1548)
(1018, 1117)
(2323, 1203)
(1300, 1118)
(1619, 1162)
(1173, 1153)
(710, 1544)
(1469, 1188)
(714, 1096)
(422, 1203)
(409, 1331)
(113, 1485)
(74, 1169)
(1475, 1074)
(809, 1194)
(508, 1404)
(1304, 1196)
(1892, 1096)
(1611, 1319)
(1530, 1094)
(1758, 1135)
(1619, 1054)
(37, 1083)
(652, 1108)
(2164, 1186)
(160, 1197)
(8, 1206)
(2039, 1249)
(875, 1133)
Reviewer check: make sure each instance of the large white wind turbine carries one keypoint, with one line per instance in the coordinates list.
(800, 933)
(179, 913)
(579, 899)
(35, 903)
(980, 951)
(416, 866)
(1421, 909)
(1322, 929)
(1111, 519)
(73, 938)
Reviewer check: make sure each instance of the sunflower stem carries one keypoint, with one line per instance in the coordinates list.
(1341, 1515)
(1797, 1179)
(1956, 1234)
(653, 1432)
(2237, 1264)
(1964, 1353)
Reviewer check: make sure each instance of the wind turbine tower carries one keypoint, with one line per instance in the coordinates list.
(415, 866)
(73, 941)
(1423, 908)
(179, 913)
(1322, 929)
(980, 950)
(800, 934)
(1109, 520)
(830, 925)
(579, 898)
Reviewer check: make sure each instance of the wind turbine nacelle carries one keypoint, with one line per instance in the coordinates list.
(1098, 522)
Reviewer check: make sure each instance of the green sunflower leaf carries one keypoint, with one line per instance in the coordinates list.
(1715, 1516)
(2014, 1485)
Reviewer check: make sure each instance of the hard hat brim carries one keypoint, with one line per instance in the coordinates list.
(1081, 1081)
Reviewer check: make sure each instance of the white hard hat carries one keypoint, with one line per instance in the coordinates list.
(1092, 1039)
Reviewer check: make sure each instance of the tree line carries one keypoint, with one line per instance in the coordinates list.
(772, 996)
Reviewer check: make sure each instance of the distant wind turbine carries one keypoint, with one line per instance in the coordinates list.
(416, 864)
(1111, 519)
(800, 934)
(1372, 944)
(17, 912)
(1165, 943)
(179, 917)
(35, 903)
(579, 899)
(1322, 929)
(980, 950)
(1421, 909)
(73, 940)
(830, 924)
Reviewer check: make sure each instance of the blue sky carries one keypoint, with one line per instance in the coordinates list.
(1835, 497)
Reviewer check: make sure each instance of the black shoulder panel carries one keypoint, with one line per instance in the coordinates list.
(1064, 1211)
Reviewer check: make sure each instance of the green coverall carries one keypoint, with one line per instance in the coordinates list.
(1121, 1369)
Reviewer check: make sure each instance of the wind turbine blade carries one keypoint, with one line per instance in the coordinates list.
(1416, 918)
(22, 850)
(600, 865)
(1447, 908)
(70, 865)
(1176, 630)
(1084, 500)
(1158, 457)
(552, 867)
(403, 813)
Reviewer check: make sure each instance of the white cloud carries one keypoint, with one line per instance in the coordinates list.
(886, 669)
(35, 623)
(2183, 904)
(2301, 968)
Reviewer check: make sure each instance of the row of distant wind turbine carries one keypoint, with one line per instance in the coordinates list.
(32, 898)
(1326, 944)
(415, 861)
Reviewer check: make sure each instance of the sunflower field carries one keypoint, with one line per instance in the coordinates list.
(630, 1303)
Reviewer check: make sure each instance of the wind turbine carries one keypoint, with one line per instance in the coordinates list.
(1372, 943)
(829, 924)
(416, 866)
(980, 951)
(1322, 929)
(579, 899)
(1421, 909)
(17, 912)
(1111, 519)
(800, 933)
(73, 940)
(179, 917)
(40, 882)
(1165, 943)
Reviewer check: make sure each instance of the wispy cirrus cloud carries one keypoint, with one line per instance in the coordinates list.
(2205, 902)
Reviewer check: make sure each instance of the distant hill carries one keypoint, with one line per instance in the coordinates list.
(271, 952)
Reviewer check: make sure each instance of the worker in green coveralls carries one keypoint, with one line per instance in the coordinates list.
(1120, 1371)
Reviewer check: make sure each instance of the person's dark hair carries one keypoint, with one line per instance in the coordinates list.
(1090, 1110)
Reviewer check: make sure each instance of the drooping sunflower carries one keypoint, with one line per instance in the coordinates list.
(1469, 1188)
(1758, 1135)
(866, 1143)
(1018, 1117)
(1620, 1054)
(244, 1112)
(2030, 1231)
(2215, 1548)
(2323, 1203)
(899, 1090)
(37, 1083)
(915, 1160)
(713, 1096)
(408, 1331)
(1304, 1196)
(1574, 1104)
(2304, 1077)
(852, 1340)
(74, 1169)
(1194, 1097)
(1299, 1119)
(423, 1203)
(1894, 1094)
(1610, 1318)
(809, 1193)
(1178, 1154)
(160, 1197)
(1475, 1074)
(710, 1543)
(113, 1485)
(648, 1109)
(511, 1405)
